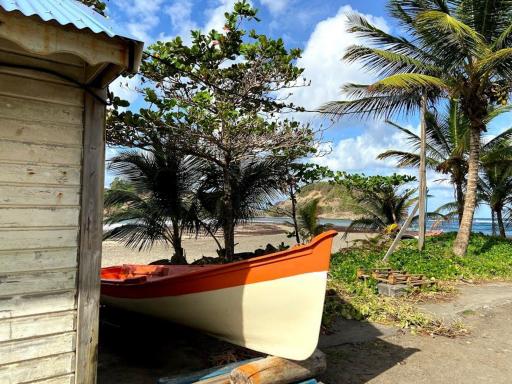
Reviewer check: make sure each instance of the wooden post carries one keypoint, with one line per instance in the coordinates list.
(276, 370)
(91, 232)
(422, 176)
(401, 233)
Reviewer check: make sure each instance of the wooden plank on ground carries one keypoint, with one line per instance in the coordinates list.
(39, 303)
(37, 260)
(39, 369)
(36, 347)
(38, 325)
(20, 173)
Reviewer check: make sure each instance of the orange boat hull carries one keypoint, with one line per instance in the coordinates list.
(272, 304)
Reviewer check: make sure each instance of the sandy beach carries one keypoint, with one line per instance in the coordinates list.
(249, 237)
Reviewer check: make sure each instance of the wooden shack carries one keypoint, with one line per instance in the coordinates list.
(56, 60)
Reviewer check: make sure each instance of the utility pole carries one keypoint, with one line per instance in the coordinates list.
(423, 175)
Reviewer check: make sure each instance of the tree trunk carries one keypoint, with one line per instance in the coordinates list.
(460, 201)
(501, 226)
(179, 253)
(422, 190)
(461, 243)
(293, 199)
(228, 215)
(493, 220)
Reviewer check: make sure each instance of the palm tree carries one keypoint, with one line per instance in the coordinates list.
(161, 203)
(496, 182)
(308, 224)
(255, 185)
(447, 147)
(457, 49)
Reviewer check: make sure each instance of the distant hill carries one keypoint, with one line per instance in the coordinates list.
(335, 202)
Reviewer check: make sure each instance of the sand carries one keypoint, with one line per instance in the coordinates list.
(248, 238)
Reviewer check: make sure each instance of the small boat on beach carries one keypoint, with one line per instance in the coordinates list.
(272, 304)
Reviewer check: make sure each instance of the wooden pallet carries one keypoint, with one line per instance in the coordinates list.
(393, 277)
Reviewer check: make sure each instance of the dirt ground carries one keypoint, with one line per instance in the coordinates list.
(380, 355)
(138, 350)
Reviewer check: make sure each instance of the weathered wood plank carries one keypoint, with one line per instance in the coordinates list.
(37, 239)
(37, 260)
(38, 369)
(39, 196)
(47, 38)
(26, 305)
(34, 282)
(62, 59)
(41, 325)
(38, 217)
(36, 347)
(11, 107)
(39, 153)
(39, 174)
(91, 232)
(40, 89)
(66, 379)
(35, 131)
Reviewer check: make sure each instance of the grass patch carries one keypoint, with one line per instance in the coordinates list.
(488, 258)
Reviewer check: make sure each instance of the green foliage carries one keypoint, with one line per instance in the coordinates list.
(488, 258)
(381, 200)
(219, 99)
(98, 5)
(308, 225)
(156, 199)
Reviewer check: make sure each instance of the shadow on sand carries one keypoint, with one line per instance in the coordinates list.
(137, 349)
(356, 352)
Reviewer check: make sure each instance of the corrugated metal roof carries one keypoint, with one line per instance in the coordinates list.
(66, 12)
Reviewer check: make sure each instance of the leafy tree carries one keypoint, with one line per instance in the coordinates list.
(221, 98)
(296, 176)
(447, 147)
(98, 5)
(254, 183)
(160, 202)
(459, 49)
(382, 201)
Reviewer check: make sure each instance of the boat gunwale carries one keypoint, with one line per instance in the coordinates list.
(211, 271)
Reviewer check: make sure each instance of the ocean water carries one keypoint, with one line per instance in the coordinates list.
(483, 225)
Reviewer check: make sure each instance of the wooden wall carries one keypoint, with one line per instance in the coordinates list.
(41, 133)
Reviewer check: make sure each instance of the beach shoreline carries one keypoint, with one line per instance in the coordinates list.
(248, 238)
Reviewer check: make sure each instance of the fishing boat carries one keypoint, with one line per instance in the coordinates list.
(272, 304)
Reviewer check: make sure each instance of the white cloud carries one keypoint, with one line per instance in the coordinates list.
(275, 6)
(322, 60)
(359, 153)
(144, 15)
(180, 13)
(216, 19)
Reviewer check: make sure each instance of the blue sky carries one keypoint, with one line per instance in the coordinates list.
(317, 27)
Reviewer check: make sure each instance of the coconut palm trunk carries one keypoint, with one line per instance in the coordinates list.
(466, 223)
(501, 225)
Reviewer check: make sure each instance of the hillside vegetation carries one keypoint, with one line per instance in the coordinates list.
(334, 202)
